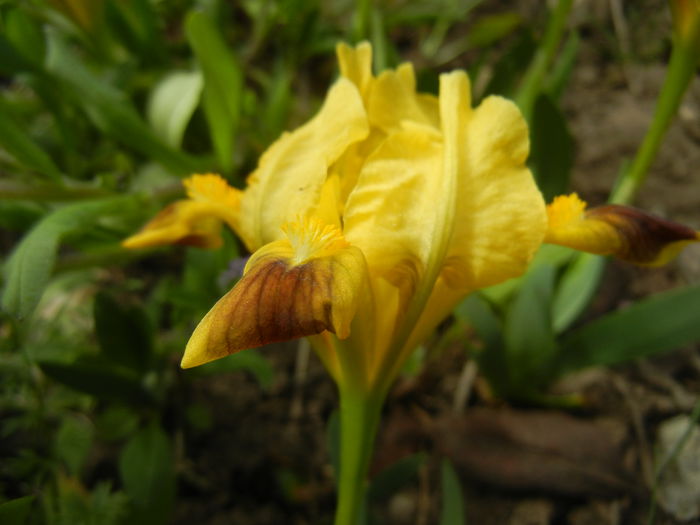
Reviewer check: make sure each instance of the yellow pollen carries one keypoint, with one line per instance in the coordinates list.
(565, 210)
(311, 238)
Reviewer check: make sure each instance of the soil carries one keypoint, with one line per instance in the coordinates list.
(268, 463)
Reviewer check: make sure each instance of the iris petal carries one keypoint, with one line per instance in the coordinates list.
(501, 217)
(624, 232)
(195, 221)
(301, 285)
(291, 174)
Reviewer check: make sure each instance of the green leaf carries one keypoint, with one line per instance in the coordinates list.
(528, 334)
(110, 110)
(576, 289)
(452, 512)
(116, 422)
(15, 141)
(487, 30)
(146, 469)
(172, 104)
(561, 71)
(136, 25)
(552, 152)
(25, 35)
(73, 442)
(395, 477)
(29, 268)
(123, 332)
(223, 84)
(99, 380)
(16, 511)
(663, 322)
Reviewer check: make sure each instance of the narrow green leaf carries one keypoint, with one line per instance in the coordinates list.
(25, 35)
(528, 335)
(487, 30)
(110, 110)
(475, 311)
(223, 83)
(452, 512)
(29, 268)
(663, 322)
(575, 289)
(552, 151)
(172, 104)
(564, 65)
(123, 332)
(16, 511)
(136, 25)
(15, 141)
(146, 469)
(99, 380)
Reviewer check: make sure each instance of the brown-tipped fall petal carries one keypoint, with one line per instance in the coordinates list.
(195, 221)
(302, 285)
(626, 233)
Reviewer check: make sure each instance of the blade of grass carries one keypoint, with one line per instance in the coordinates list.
(655, 325)
(223, 84)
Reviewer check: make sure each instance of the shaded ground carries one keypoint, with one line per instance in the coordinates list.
(267, 462)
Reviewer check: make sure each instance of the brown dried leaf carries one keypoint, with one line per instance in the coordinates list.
(547, 452)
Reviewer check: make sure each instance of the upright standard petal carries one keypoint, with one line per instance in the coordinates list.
(290, 177)
(308, 282)
(195, 221)
(356, 65)
(624, 232)
(501, 218)
(391, 213)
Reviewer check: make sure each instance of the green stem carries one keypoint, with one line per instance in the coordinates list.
(362, 20)
(681, 70)
(532, 81)
(359, 420)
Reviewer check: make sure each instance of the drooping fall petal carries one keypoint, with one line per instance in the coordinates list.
(303, 284)
(194, 221)
(624, 232)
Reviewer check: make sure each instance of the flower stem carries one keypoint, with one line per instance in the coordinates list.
(359, 420)
(681, 70)
(531, 84)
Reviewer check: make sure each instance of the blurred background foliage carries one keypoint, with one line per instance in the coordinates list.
(106, 104)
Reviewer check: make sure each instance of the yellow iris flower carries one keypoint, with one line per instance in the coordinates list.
(369, 223)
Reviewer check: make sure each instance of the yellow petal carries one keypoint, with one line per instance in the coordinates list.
(500, 219)
(393, 100)
(627, 233)
(195, 221)
(290, 177)
(390, 215)
(356, 65)
(306, 283)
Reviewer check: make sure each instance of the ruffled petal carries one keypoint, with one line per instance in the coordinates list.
(290, 177)
(195, 221)
(356, 65)
(624, 232)
(500, 219)
(308, 282)
(393, 101)
(391, 212)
